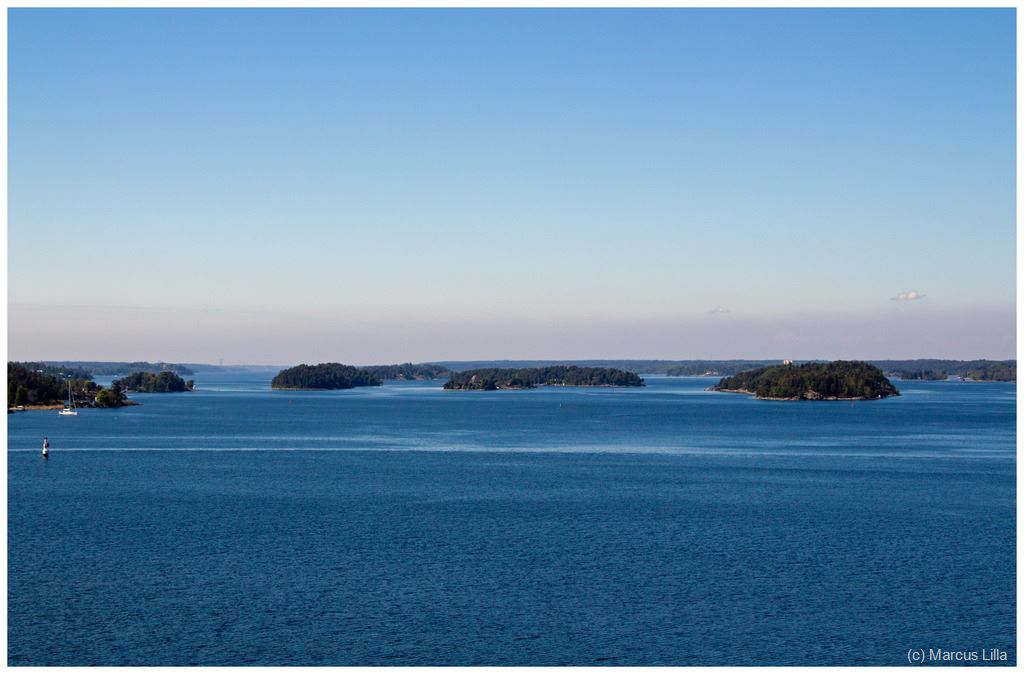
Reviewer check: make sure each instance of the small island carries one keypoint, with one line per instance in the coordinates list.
(493, 379)
(149, 382)
(325, 376)
(838, 380)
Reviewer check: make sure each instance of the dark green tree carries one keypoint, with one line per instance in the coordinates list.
(104, 398)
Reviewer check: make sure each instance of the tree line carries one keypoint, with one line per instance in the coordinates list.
(114, 368)
(407, 371)
(935, 368)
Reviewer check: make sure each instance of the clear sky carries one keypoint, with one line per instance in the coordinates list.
(280, 186)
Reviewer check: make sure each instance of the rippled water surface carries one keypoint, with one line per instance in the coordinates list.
(664, 525)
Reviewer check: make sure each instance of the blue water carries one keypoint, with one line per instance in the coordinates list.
(665, 525)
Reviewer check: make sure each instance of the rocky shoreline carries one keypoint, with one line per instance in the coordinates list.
(60, 406)
(809, 395)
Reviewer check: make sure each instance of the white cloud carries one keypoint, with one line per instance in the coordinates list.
(907, 296)
(718, 310)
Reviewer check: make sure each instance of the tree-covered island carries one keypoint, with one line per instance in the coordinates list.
(325, 376)
(161, 382)
(493, 379)
(838, 380)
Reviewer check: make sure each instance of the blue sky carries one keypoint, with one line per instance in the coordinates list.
(375, 186)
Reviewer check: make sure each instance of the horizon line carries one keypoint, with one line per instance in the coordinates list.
(502, 360)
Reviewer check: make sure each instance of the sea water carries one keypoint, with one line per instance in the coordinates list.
(406, 525)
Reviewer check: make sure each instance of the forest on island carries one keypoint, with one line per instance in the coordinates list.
(813, 381)
(492, 379)
(324, 376)
(160, 382)
(31, 384)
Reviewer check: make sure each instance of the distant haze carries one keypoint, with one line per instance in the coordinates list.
(283, 186)
(254, 338)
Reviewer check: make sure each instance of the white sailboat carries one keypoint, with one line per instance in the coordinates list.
(69, 408)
